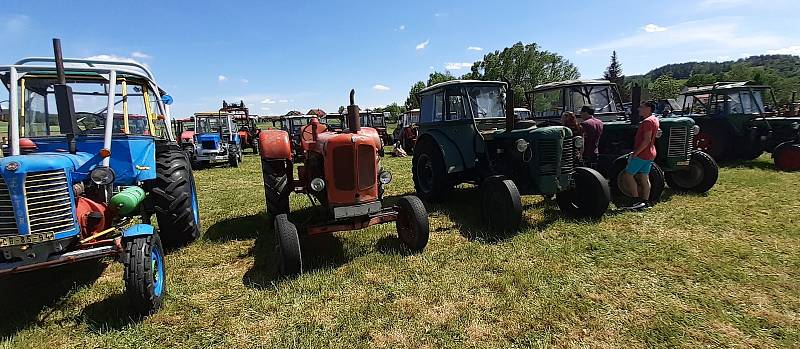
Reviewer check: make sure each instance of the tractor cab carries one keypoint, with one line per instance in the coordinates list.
(293, 125)
(376, 121)
(468, 133)
(215, 139)
(245, 124)
(739, 121)
(88, 142)
(335, 122)
(406, 130)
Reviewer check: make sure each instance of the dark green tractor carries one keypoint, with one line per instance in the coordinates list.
(676, 164)
(468, 134)
(737, 123)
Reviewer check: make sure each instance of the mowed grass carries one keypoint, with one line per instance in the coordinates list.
(720, 270)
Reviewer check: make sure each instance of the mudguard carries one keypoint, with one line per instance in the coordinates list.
(452, 155)
(138, 230)
(274, 144)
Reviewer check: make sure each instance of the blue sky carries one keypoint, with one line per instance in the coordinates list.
(280, 56)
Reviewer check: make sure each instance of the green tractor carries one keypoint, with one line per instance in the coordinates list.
(468, 134)
(737, 123)
(677, 164)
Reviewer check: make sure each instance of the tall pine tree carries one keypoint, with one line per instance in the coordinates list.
(614, 74)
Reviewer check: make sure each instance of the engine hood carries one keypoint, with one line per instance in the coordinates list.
(47, 161)
(209, 137)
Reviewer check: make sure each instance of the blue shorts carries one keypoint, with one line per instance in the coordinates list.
(637, 165)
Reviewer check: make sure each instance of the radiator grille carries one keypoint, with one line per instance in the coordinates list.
(8, 221)
(49, 205)
(680, 141)
(568, 156)
(366, 166)
(547, 149)
(344, 168)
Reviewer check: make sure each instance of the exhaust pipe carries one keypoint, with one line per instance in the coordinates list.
(353, 121)
(64, 100)
(510, 117)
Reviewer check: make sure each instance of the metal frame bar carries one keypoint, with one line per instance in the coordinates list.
(109, 127)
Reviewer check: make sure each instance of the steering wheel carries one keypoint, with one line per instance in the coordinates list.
(81, 119)
(307, 135)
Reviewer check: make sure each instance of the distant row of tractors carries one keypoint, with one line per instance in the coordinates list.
(93, 154)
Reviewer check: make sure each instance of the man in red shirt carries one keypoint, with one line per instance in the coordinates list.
(636, 177)
(592, 130)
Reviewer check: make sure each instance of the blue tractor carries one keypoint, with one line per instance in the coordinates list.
(80, 180)
(216, 140)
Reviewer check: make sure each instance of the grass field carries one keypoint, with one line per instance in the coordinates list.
(720, 270)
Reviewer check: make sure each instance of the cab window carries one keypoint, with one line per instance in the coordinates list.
(438, 105)
(456, 107)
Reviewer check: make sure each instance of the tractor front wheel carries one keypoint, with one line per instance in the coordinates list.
(700, 177)
(412, 223)
(144, 273)
(428, 172)
(787, 156)
(501, 206)
(290, 259)
(588, 198)
(255, 145)
(175, 197)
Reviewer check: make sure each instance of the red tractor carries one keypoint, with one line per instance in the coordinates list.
(245, 124)
(342, 177)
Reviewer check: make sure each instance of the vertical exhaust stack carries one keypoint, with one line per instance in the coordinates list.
(353, 121)
(636, 100)
(64, 101)
(510, 117)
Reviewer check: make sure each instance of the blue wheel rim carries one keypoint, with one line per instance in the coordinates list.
(195, 205)
(157, 263)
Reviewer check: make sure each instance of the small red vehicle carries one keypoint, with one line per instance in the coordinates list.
(245, 124)
(342, 177)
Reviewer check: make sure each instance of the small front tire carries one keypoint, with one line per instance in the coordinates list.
(290, 259)
(144, 273)
(501, 206)
(412, 223)
(700, 177)
(787, 156)
(589, 198)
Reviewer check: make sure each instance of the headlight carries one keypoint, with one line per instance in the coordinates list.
(659, 133)
(795, 125)
(695, 130)
(522, 145)
(578, 142)
(102, 175)
(385, 177)
(317, 184)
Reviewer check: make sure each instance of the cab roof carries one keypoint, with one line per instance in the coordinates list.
(570, 83)
(723, 86)
(460, 82)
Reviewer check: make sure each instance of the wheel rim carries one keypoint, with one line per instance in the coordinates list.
(157, 265)
(195, 205)
(690, 177)
(703, 141)
(425, 173)
(790, 158)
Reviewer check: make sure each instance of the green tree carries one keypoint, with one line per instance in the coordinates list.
(701, 80)
(665, 87)
(437, 77)
(525, 65)
(412, 102)
(614, 74)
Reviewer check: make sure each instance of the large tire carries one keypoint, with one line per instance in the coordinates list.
(233, 160)
(714, 142)
(255, 144)
(175, 197)
(501, 206)
(278, 177)
(620, 199)
(429, 174)
(787, 156)
(144, 275)
(290, 259)
(589, 198)
(412, 223)
(700, 177)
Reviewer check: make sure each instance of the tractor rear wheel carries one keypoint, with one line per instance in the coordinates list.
(255, 144)
(700, 177)
(175, 197)
(622, 199)
(589, 197)
(278, 177)
(144, 274)
(428, 172)
(787, 156)
(412, 223)
(290, 259)
(714, 142)
(501, 206)
(234, 160)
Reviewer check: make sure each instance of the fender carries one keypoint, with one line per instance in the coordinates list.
(138, 230)
(453, 158)
(274, 144)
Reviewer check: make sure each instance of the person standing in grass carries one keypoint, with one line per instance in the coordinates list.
(592, 129)
(636, 177)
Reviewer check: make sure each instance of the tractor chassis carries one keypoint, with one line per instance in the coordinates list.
(81, 252)
(385, 215)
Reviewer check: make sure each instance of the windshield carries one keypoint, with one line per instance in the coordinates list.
(487, 101)
(522, 114)
(212, 124)
(39, 113)
(600, 98)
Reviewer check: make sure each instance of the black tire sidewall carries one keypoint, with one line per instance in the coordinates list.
(413, 213)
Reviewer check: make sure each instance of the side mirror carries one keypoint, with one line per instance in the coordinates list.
(167, 99)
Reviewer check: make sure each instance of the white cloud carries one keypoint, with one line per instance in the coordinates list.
(222, 78)
(107, 57)
(400, 28)
(457, 66)
(582, 51)
(423, 44)
(380, 87)
(139, 54)
(791, 50)
(15, 24)
(265, 108)
(268, 101)
(475, 48)
(723, 58)
(720, 4)
(283, 101)
(431, 68)
(654, 28)
(244, 81)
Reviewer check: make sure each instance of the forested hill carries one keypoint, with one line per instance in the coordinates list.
(786, 66)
